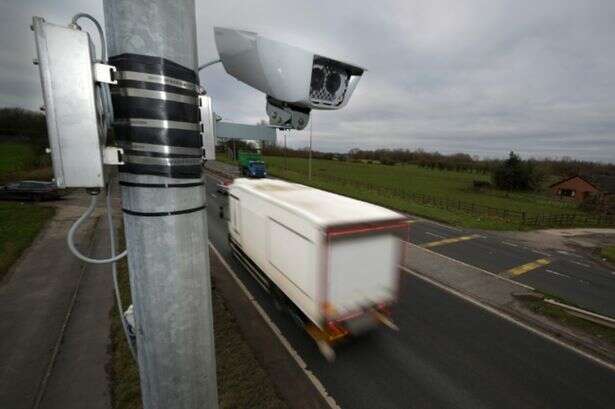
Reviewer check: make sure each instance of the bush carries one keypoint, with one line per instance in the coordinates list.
(481, 184)
(387, 162)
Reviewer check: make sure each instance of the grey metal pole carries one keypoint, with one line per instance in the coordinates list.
(310, 158)
(153, 45)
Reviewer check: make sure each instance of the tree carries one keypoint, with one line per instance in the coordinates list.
(516, 174)
(23, 123)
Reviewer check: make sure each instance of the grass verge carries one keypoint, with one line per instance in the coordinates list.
(608, 253)
(560, 316)
(242, 383)
(19, 226)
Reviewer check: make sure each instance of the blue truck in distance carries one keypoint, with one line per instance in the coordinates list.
(251, 164)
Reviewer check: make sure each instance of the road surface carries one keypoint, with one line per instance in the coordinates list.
(448, 353)
(568, 275)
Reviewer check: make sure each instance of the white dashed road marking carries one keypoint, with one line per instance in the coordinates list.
(579, 263)
(557, 274)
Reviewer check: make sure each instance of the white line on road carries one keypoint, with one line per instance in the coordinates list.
(579, 263)
(293, 353)
(510, 244)
(434, 234)
(509, 318)
(541, 253)
(557, 274)
(569, 253)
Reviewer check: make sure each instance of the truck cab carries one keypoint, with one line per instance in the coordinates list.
(256, 169)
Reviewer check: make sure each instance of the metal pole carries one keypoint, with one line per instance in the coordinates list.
(285, 152)
(310, 158)
(163, 199)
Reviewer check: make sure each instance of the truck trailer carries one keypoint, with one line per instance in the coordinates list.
(331, 261)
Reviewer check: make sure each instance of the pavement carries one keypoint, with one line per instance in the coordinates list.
(54, 319)
(450, 352)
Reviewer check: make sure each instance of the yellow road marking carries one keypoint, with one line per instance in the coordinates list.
(451, 240)
(524, 268)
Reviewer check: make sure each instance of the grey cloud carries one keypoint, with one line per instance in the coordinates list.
(481, 77)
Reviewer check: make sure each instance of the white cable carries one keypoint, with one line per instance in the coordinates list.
(105, 95)
(105, 91)
(118, 298)
(207, 64)
(103, 46)
(70, 239)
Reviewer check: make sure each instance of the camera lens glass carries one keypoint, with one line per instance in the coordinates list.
(333, 82)
(318, 78)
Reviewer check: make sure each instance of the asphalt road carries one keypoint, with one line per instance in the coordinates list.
(448, 353)
(569, 275)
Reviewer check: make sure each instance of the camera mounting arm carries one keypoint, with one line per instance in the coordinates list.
(284, 115)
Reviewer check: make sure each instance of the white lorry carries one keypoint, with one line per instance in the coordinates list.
(331, 260)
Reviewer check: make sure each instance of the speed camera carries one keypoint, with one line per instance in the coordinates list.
(295, 80)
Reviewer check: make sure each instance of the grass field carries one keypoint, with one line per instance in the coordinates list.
(242, 383)
(414, 180)
(19, 225)
(15, 156)
(608, 253)
(19, 222)
(20, 160)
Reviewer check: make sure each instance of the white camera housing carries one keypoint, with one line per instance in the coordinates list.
(289, 75)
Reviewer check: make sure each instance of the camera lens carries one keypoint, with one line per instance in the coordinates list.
(333, 82)
(318, 79)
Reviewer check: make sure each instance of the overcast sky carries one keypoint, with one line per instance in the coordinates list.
(483, 77)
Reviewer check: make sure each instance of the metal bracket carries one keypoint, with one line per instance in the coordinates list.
(105, 73)
(113, 155)
(208, 127)
(282, 115)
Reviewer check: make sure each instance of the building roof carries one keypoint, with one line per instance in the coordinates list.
(321, 207)
(603, 183)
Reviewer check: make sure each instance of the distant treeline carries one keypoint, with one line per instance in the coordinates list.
(461, 162)
(19, 123)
